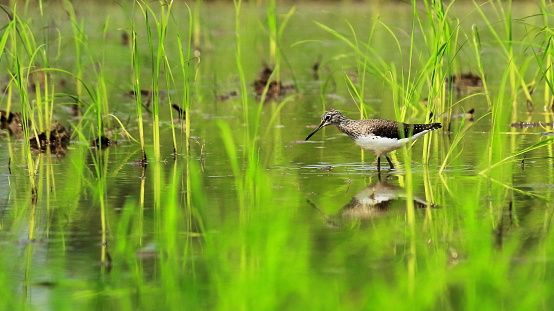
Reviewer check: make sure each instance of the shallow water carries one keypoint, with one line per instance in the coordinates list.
(299, 224)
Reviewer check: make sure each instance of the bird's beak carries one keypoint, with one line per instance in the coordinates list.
(322, 124)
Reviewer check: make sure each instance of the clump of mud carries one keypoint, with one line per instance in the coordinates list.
(464, 83)
(102, 142)
(12, 122)
(56, 139)
(275, 89)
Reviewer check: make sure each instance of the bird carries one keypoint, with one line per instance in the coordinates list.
(378, 136)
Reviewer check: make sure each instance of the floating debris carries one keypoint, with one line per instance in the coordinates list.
(102, 142)
(301, 142)
(522, 125)
(13, 122)
(143, 162)
(56, 140)
(227, 96)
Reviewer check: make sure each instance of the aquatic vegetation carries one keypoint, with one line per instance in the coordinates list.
(185, 181)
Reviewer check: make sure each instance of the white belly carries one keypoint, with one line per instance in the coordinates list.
(382, 145)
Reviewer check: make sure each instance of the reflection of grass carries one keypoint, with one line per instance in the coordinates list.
(230, 228)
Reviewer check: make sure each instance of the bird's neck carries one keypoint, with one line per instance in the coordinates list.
(343, 124)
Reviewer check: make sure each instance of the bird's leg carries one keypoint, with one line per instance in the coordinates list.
(390, 162)
(379, 165)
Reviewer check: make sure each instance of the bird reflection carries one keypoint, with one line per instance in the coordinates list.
(373, 201)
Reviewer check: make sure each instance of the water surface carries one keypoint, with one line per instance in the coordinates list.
(295, 224)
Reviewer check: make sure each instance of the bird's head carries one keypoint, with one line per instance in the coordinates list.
(332, 116)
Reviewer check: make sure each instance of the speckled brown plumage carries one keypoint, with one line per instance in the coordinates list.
(384, 128)
(375, 135)
(377, 127)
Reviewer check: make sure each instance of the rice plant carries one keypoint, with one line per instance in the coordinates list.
(235, 210)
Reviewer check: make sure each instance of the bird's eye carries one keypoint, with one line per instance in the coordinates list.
(327, 118)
